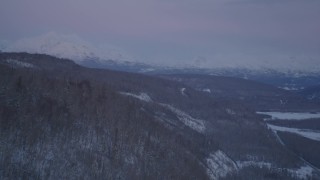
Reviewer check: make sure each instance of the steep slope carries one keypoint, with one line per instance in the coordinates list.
(58, 126)
(259, 96)
(63, 121)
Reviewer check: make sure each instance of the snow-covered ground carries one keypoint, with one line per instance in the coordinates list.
(183, 90)
(310, 134)
(142, 96)
(219, 165)
(290, 115)
(206, 90)
(304, 172)
(260, 164)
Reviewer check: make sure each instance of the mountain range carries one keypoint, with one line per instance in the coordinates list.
(110, 57)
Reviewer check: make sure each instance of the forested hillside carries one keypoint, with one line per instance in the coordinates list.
(59, 120)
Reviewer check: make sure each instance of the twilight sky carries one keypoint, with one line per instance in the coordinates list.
(213, 32)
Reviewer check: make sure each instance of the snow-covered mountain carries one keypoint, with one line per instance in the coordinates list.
(67, 46)
(61, 46)
(75, 48)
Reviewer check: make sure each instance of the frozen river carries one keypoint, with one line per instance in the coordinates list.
(290, 115)
(310, 134)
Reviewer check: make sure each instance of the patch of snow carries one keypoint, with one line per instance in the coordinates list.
(289, 88)
(260, 164)
(283, 101)
(142, 96)
(290, 115)
(230, 111)
(182, 90)
(207, 90)
(195, 124)
(19, 63)
(304, 172)
(147, 70)
(219, 165)
(310, 134)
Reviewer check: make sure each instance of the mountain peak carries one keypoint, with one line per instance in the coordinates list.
(62, 46)
(69, 46)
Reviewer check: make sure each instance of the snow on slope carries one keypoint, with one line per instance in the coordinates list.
(142, 96)
(183, 91)
(206, 90)
(260, 164)
(17, 63)
(219, 165)
(193, 123)
(310, 134)
(304, 172)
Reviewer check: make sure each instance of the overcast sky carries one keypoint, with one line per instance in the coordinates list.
(181, 31)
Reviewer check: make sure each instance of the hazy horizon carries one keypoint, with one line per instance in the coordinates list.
(210, 33)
